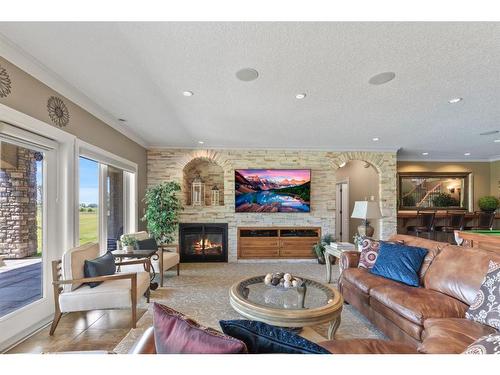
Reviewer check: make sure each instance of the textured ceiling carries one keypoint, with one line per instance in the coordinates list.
(138, 71)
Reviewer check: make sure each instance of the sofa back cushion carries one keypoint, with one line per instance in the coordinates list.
(459, 271)
(433, 248)
(73, 261)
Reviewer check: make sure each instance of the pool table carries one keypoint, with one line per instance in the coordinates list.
(485, 239)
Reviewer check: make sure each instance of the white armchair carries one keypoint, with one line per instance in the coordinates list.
(118, 291)
(166, 259)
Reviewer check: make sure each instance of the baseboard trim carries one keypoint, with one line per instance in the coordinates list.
(25, 334)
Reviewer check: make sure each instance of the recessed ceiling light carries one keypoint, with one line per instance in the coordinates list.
(425, 153)
(497, 141)
(467, 154)
(122, 120)
(375, 139)
(455, 100)
(187, 93)
(342, 165)
(382, 78)
(247, 74)
(300, 96)
(201, 142)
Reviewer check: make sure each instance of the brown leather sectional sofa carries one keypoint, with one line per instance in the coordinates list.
(432, 316)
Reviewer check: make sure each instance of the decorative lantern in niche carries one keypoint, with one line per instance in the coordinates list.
(197, 191)
(215, 196)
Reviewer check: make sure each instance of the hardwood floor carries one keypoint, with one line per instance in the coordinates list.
(92, 330)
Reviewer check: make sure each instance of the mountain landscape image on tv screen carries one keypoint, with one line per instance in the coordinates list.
(272, 190)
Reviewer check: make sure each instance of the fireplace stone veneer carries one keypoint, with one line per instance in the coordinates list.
(203, 242)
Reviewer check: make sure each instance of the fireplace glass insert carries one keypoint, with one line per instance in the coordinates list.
(203, 242)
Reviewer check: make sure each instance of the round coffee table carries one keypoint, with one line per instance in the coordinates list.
(314, 303)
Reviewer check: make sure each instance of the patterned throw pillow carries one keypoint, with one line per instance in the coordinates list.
(485, 345)
(486, 307)
(369, 252)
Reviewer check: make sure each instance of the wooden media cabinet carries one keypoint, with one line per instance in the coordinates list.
(277, 242)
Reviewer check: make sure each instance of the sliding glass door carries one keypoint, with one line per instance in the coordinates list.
(30, 222)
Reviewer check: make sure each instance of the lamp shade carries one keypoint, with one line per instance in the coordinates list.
(366, 210)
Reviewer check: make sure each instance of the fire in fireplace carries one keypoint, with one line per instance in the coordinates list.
(203, 242)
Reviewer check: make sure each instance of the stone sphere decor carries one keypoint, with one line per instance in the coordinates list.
(282, 280)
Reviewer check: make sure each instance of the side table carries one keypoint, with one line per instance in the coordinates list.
(336, 251)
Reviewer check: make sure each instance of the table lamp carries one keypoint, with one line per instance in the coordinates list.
(366, 210)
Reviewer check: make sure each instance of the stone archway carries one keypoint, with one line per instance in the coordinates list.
(385, 164)
(211, 157)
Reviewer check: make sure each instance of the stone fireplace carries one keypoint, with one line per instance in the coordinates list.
(203, 242)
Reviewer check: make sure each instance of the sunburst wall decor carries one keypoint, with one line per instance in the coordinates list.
(58, 112)
(5, 84)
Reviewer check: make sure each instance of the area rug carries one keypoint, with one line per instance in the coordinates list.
(202, 293)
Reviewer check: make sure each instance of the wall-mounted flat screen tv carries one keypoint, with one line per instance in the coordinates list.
(272, 190)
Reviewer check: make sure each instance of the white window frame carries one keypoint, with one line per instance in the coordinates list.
(130, 198)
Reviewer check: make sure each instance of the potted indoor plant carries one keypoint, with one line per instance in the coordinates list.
(163, 206)
(129, 243)
(319, 248)
(488, 203)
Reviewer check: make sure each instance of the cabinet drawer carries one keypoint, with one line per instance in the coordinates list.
(258, 252)
(259, 242)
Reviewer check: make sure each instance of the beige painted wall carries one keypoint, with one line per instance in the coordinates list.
(480, 171)
(495, 178)
(28, 95)
(363, 183)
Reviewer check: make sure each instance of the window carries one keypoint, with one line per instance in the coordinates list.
(107, 204)
(434, 190)
(89, 201)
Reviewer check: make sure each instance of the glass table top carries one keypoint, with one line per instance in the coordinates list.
(311, 296)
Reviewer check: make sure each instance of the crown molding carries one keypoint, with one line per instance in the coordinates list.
(319, 149)
(26, 62)
(485, 160)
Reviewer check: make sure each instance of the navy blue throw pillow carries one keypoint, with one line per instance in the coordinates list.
(263, 338)
(399, 262)
(102, 266)
(149, 244)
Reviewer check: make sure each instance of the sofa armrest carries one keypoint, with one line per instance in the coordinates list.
(349, 259)
(146, 344)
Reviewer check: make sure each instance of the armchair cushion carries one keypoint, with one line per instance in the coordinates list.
(73, 261)
(102, 266)
(113, 294)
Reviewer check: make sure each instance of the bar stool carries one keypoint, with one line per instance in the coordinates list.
(426, 223)
(484, 221)
(455, 220)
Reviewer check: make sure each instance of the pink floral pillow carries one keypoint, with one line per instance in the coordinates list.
(369, 252)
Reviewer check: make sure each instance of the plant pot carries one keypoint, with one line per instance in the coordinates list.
(321, 260)
(128, 248)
